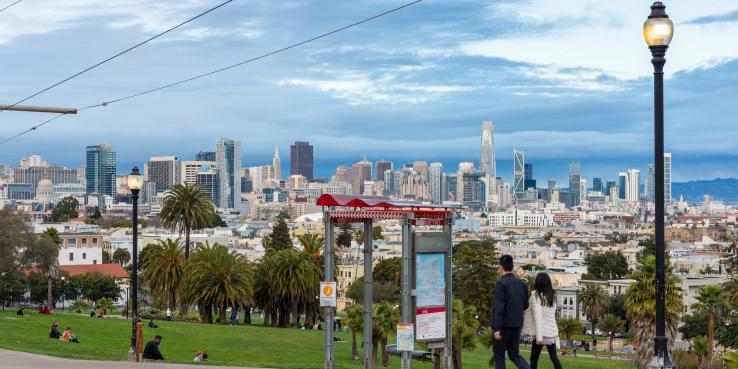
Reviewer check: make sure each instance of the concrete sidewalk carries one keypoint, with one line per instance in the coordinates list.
(24, 360)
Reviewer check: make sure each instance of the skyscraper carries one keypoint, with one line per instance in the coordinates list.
(667, 178)
(472, 189)
(633, 185)
(610, 185)
(382, 166)
(360, 172)
(518, 175)
(208, 181)
(529, 182)
(228, 162)
(622, 184)
(597, 184)
(163, 170)
(301, 159)
(421, 167)
(575, 181)
(651, 183)
(435, 182)
(204, 155)
(101, 169)
(277, 164)
(487, 163)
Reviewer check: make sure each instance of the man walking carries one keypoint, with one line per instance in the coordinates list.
(509, 303)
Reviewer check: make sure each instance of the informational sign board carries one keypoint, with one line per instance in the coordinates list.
(430, 279)
(431, 323)
(328, 294)
(405, 337)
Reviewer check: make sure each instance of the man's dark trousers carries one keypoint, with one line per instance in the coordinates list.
(510, 342)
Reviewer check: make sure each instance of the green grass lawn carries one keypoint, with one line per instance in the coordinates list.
(255, 346)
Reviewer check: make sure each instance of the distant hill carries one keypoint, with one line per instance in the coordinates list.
(723, 189)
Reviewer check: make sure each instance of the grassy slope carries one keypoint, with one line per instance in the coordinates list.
(108, 339)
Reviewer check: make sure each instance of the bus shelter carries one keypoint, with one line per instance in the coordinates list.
(425, 282)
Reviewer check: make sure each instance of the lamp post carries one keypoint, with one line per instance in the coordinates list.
(64, 289)
(135, 182)
(658, 31)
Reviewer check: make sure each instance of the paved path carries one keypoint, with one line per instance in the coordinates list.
(24, 360)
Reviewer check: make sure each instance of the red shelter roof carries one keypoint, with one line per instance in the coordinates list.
(355, 201)
(380, 207)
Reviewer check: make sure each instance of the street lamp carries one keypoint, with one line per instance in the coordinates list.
(64, 288)
(658, 31)
(135, 182)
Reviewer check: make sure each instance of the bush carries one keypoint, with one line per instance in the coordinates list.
(152, 313)
(192, 316)
(105, 303)
(79, 306)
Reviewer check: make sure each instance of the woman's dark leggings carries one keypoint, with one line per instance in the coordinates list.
(536, 352)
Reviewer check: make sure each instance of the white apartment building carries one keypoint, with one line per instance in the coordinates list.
(525, 218)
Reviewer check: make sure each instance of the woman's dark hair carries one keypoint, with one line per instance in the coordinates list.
(544, 289)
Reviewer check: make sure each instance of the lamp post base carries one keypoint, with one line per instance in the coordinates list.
(657, 362)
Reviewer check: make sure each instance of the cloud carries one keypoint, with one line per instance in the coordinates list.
(727, 17)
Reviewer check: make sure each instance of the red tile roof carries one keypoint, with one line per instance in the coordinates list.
(113, 270)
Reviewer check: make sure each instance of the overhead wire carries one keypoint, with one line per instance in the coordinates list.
(116, 55)
(9, 6)
(262, 56)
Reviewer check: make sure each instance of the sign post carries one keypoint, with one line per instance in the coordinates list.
(405, 337)
(327, 294)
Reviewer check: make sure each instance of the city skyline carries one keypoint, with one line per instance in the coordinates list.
(385, 96)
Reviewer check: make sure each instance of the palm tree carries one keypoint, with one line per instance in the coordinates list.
(218, 278)
(710, 299)
(312, 246)
(164, 269)
(464, 330)
(295, 279)
(611, 324)
(568, 328)
(121, 256)
(640, 303)
(701, 349)
(187, 207)
(264, 296)
(594, 300)
(355, 324)
(384, 321)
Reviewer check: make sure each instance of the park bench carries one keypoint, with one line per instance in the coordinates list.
(416, 354)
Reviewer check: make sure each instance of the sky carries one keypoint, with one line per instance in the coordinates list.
(561, 80)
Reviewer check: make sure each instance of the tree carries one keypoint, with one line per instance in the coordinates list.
(568, 328)
(344, 236)
(381, 292)
(164, 269)
(594, 300)
(219, 222)
(296, 280)
(312, 246)
(95, 213)
(94, 287)
(616, 306)
(14, 238)
(388, 271)
(474, 272)
(355, 316)
(280, 238)
(694, 324)
(701, 349)
(649, 248)
(731, 360)
(711, 298)
(65, 209)
(464, 330)
(106, 258)
(611, 324)
(384, 321)
(43, 254)
(359, 236)
(606, 265)
(121, 256)
(53, 234)
(187, 207)
(377, 233)
(218, 278)
(641, 305)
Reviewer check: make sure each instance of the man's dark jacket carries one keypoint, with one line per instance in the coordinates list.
(151, 351)
(509, 303)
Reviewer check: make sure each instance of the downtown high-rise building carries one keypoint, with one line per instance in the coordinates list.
(622, 184)
(277, 164)
(188, 170)
(667, 178)
(528, 181)
(518, 187)
(435, 183)
(382, 166)
(487, 162)
(301, 159)
(360, 173)
(164, 171)
(597, 184)
(421, 167)
(651, 184)
(101, 166)
(575, 181)
(609, 187)
(205, 155)
(228, 163)
(633, 185)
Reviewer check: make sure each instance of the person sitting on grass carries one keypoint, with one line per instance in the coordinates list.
(200, 356)
(68, 336)
(152, 324)
(151, 351)
(20, 312)
(54, 332)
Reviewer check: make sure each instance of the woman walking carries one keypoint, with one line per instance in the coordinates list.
(540, 320)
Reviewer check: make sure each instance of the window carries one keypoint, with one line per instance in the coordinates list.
(72, 241)
(84, 242)
(71, 256)
(84, 256)
(94, 261)
(94, 242)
